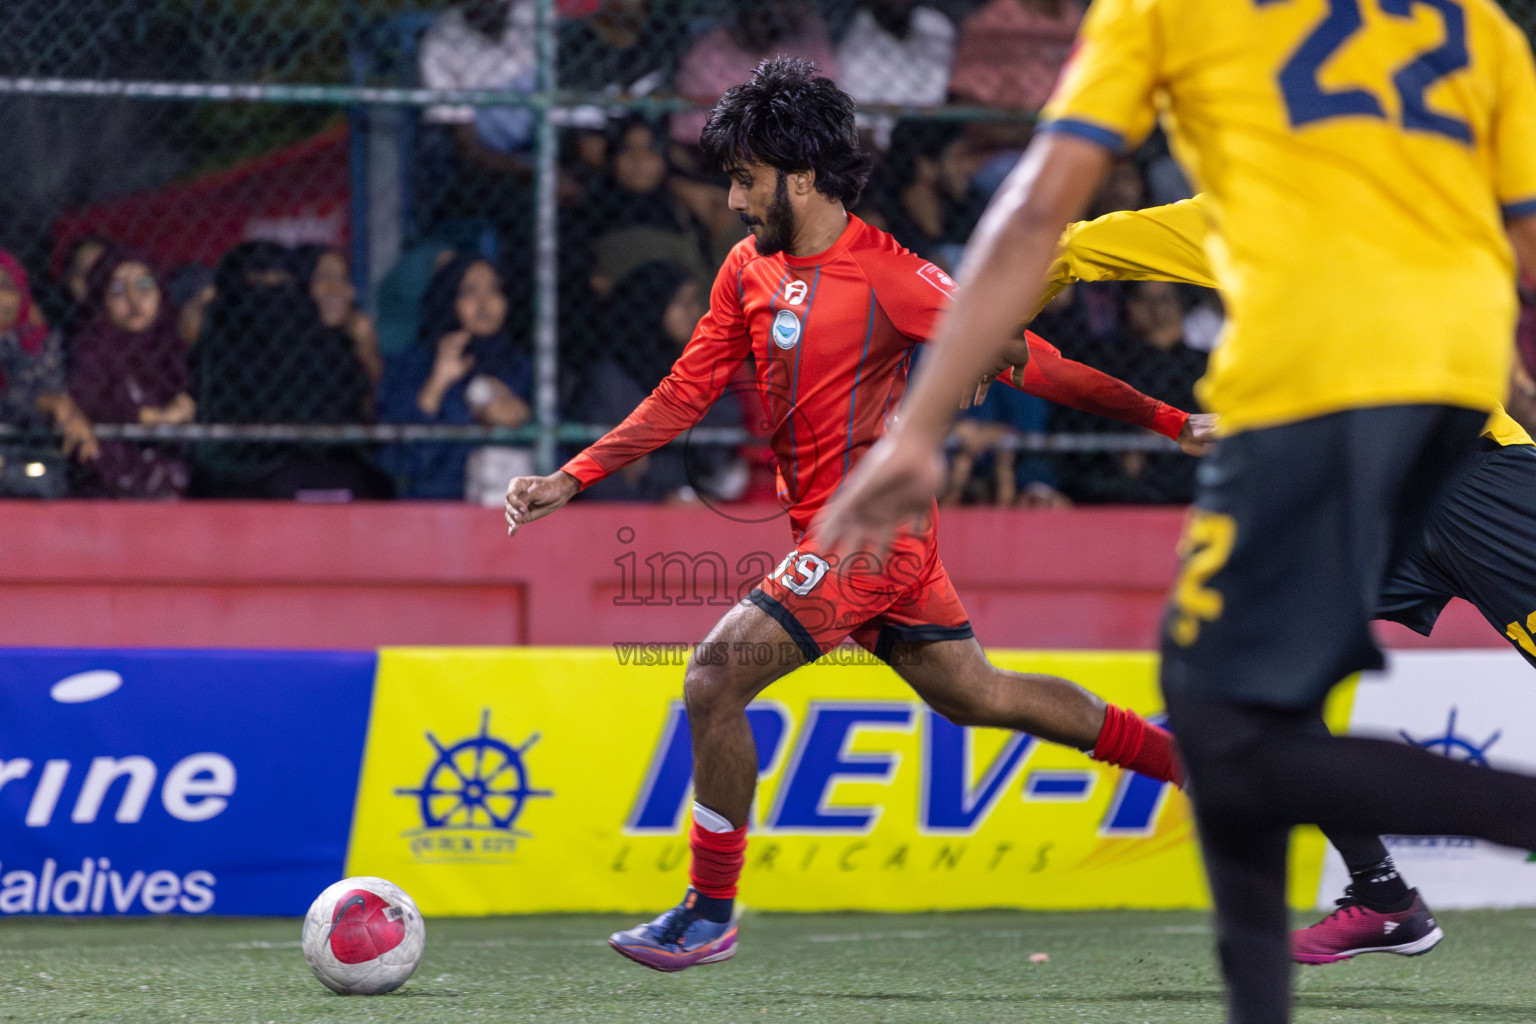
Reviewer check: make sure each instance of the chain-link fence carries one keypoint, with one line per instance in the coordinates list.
(366, 248)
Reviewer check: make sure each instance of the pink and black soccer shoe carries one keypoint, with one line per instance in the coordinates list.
(1354, 929)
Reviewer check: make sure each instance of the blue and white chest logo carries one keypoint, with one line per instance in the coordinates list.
(786, 329)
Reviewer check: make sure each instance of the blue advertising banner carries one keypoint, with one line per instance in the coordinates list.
(177, 782)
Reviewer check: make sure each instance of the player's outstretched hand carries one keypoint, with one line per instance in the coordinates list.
(1199, 433)
(893, 484)
(534, 497)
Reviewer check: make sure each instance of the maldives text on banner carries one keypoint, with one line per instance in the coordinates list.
(525, 780)
(176, 781)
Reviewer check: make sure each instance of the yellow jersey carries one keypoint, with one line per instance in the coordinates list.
(1358, 157)
(1168, 243)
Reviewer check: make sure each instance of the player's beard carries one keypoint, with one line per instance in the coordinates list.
(779, 223)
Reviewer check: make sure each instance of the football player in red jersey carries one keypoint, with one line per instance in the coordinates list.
(829, 309)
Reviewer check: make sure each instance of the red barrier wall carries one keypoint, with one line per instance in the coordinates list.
(370, 575)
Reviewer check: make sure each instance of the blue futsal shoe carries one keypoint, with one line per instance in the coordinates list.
(676, 940)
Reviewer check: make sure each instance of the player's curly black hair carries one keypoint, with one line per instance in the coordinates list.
(792, 119)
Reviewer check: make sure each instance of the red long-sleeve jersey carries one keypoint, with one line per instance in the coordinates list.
(831, 339)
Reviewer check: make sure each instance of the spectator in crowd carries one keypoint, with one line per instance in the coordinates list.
(931, 206)
(477, 165)
(1149, 354)
(896, 52)
(485, 44)
(190, 292)
(620, 50)
(329, 278)
(640, 217)
(401, 293)
(987, 468)
(128, 365)
(1124, 188)
(651, 315)
(464, 369)
(65, 306)
(33, 395)
(728, 54)
(1011, 52)
(704, 192)
(266, 358)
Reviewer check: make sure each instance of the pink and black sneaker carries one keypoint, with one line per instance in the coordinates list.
(1355, 928)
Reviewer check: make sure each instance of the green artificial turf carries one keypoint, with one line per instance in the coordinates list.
(837, 968)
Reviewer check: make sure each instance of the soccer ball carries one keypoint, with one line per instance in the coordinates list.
(363, 936)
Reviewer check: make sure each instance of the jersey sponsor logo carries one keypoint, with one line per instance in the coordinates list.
(786, 329)
(936, 277)
(795, 292)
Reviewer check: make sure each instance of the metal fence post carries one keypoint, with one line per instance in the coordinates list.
(546, 331)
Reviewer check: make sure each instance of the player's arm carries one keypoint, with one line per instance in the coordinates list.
(1513, 144)
(1052, 376)
(1522, 235)
(719, 345)
(1010, 253)
(1161, 243)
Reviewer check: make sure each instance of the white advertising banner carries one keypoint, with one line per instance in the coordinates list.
(1477, 706)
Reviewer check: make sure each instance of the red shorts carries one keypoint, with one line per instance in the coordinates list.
(907, 598)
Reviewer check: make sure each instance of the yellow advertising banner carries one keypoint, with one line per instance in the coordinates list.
(522, 780)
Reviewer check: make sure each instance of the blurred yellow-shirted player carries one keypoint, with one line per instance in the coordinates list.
(1367, 165)
(1316, 128)
(1479, 544)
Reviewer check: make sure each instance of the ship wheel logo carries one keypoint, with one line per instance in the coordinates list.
(479, 783)
(1457, 748)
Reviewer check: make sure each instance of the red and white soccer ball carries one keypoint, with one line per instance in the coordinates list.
(363, 936)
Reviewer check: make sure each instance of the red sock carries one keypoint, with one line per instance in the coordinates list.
(717, 860)
(1131, 741)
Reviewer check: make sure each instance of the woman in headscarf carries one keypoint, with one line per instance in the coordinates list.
(651, 315)
(324, 272)
(463, 369)
(636, 218)
(65, 300)
(265, 357)
(128, 365)
(32, 393)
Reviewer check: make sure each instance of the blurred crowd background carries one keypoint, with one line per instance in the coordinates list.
(365, 249)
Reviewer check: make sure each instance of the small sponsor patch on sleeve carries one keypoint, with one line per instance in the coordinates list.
(936, 277)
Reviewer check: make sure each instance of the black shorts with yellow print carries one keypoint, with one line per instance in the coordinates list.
(1479, 544)
(1291, 535)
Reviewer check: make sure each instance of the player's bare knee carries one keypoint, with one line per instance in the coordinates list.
(710, 690)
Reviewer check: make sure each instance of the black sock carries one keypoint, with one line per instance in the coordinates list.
(1380, 888)
(710, 908)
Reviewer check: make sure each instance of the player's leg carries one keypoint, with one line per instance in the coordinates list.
(925, 635)
(1283, 558)
(1479, 543)
(722, 678)
(955, 678)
